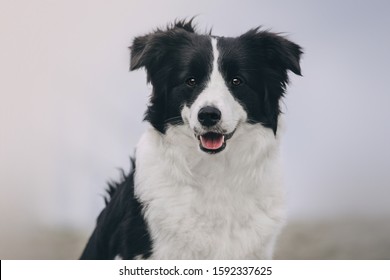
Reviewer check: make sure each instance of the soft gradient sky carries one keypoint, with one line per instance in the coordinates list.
(70, 111)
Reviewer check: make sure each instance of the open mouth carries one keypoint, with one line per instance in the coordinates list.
(213, 142)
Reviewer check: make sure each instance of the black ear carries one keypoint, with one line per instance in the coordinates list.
(149, 49)
(139, 51)
(283, 52)
(279, 53)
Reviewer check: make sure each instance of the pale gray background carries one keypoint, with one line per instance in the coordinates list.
(70, 116)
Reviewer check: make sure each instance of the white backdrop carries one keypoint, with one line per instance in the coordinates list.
(70, 110)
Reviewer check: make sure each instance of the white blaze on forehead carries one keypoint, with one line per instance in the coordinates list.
(216, 94)
(216, 88)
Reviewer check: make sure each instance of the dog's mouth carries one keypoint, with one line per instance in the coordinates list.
(213, 142)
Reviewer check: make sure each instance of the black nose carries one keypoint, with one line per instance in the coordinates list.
(209, 116)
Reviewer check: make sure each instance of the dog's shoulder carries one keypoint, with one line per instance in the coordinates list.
(120, 229)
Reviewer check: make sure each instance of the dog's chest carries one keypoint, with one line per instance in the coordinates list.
(208, 210)
(189, 224)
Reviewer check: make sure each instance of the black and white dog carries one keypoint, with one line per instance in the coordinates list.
(206, 182)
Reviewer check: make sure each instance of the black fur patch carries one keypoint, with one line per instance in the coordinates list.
(171, 57)
(260, 59)
(121, 228)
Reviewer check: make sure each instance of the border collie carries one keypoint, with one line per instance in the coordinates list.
(205, 182)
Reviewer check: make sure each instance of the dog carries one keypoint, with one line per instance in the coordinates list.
(206, 181)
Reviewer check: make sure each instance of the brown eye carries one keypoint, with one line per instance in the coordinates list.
(191, 82)
(236, 81)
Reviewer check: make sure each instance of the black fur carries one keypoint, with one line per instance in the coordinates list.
(121, 228)
(261, 60)
(171, 57)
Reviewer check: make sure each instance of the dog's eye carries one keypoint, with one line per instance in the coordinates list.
(191, 82)
(236, 81)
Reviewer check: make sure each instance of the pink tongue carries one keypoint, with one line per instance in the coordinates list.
(212, 143)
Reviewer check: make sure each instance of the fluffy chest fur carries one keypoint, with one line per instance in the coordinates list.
(201, 206)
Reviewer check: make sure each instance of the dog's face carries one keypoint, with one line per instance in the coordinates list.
(212, 84)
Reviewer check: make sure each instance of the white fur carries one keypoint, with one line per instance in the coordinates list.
(200, 206)
(228, 205)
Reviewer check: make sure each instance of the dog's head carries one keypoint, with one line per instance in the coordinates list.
(212, 84)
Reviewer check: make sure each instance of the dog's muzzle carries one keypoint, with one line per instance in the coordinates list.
(213, 139)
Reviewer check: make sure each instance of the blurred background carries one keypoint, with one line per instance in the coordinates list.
(71, 115)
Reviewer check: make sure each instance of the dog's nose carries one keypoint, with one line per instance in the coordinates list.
(209, 116)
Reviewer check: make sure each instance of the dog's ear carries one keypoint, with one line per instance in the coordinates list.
(283, 52)
(156, 51)
(148, 50)
(139, 52)
(276, 50)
